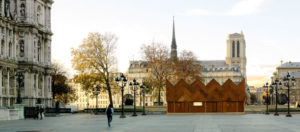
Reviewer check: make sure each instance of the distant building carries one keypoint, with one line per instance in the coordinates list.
(138, 70)
(25, 46)
(233, 67)
(88, 100)
(293, 68)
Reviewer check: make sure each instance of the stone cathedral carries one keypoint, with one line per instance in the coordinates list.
(25, 47)
(233, 67)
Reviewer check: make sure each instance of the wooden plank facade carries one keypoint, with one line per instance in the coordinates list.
(198, 98)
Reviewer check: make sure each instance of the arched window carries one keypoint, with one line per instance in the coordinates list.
(238, 49)
(233, 49)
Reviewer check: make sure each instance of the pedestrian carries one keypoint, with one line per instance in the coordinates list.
(36, 113)
(109, 113)
(41, 112)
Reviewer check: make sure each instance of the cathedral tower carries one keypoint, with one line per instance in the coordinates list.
(236, 52)
(174, 46)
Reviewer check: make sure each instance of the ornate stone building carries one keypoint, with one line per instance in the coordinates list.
(25, 47)
(293, 68)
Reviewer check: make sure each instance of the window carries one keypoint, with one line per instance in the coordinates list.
(2, 47)
(238, 48)
(39, 51)
(233, 49)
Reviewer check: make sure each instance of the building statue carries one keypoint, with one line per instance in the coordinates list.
(22, 10)
(7, 9)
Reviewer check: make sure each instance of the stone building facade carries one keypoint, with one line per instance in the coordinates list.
(293, 68)
(25, 46)
(139, 71)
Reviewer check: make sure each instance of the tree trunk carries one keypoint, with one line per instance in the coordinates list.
(159, 96)
(109, 92)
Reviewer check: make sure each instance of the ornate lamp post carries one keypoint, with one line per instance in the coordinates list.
(143, 92)
(267, 99)
(20, 78)
(276, 84)
(96, 92)
(123, 81)
(287, 80)
(134, 84)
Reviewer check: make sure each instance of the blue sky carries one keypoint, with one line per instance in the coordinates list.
(271, 28)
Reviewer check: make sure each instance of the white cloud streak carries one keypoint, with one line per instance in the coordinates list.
(241, 8)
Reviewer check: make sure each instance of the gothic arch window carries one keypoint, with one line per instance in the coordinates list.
(238, 49)
(2, 47)
(233, 49)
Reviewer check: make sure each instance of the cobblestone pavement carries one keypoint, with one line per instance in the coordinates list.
(157, 123)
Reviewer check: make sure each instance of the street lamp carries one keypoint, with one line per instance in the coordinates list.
(20, 78)
(134, 84)
(267, 99)
(276, 84)
(96, 92)
(123, 81)
(143, 88)
(287, 79)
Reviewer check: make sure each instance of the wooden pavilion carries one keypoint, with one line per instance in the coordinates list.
(212, 98)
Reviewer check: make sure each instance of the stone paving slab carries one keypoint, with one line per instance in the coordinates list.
(157, 123)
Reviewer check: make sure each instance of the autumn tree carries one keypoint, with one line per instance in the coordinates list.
(60, 84)
(94, 61)
(162, 68)
(157, 57)
(186, 67)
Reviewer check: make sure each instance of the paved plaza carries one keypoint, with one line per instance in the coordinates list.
(157, 123)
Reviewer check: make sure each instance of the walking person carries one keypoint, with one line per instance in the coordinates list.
(109, 112)
(36, 113)
(41, 112)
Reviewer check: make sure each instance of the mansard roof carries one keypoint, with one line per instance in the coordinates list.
(290, 65)
(207, 63)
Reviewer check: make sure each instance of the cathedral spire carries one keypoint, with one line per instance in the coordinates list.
(174, 45)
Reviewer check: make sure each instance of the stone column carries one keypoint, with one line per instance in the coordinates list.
(1, 82)
(15, 86)
(1, 7)
(43, 86)
(37, 85)
(8, 87)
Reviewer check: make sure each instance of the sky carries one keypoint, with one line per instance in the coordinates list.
(271, 29)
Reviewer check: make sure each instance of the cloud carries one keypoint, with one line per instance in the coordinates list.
(241, 8)
(247, 7)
